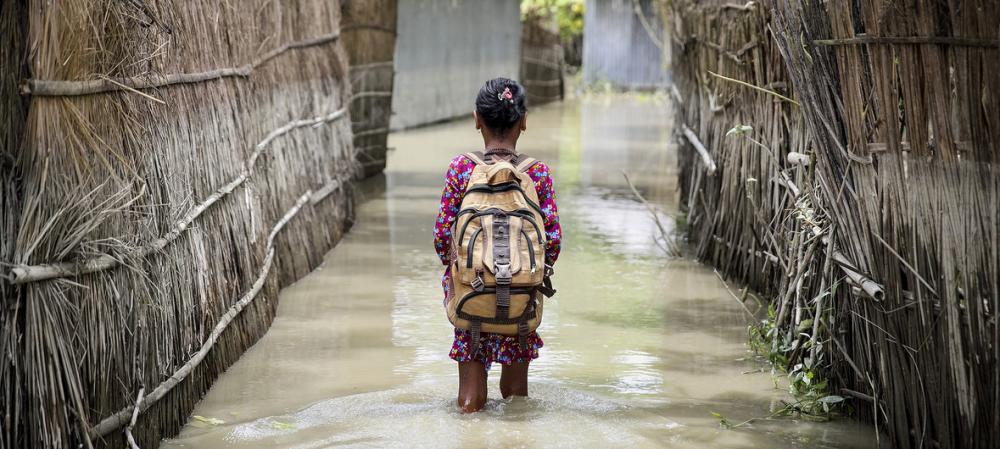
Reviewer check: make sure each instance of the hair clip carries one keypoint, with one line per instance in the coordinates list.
(505, 95)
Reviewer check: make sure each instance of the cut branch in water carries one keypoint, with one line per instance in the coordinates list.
(672, 249)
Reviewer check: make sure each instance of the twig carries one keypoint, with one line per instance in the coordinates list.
(700, 147)
(131, 424)
(373, 93)
(86, 87)
(32, 273)
(847, 357)
(369, 26)
(761, 89)
(672, 249)
(737, 298)
(813, 348)
(130, 89)
(637, 8)
(907, 265)
(118, 419)
(858, 394)
(870, 287)
(915, 40)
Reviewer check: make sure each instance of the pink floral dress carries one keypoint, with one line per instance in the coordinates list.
(493, 347)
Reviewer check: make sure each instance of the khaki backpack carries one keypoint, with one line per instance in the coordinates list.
(498, 271)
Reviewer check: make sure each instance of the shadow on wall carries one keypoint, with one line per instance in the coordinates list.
(445, 50)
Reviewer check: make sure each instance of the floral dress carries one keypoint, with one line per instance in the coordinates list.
(493, 347)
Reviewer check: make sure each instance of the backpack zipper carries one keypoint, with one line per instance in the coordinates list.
(472, 243)
(523, 213)
(531, 250)
(504, 188)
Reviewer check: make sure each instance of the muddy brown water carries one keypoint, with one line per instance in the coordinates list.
(639, 349)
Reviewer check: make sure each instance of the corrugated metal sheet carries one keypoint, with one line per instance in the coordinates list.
(445, 50)
(618, 49)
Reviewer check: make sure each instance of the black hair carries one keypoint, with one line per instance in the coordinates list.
(498, 112)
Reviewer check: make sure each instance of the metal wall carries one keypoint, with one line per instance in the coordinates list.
(445, 50)
(618, 49)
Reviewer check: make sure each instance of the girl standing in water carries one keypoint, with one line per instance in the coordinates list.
(501, 117)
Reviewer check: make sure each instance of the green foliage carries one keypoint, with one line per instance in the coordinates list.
(568, 14)
(806, 383)
(812, 399)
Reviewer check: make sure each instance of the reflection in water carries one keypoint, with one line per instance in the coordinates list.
(639, 349)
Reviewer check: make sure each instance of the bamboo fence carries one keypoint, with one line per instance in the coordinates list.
(167, 166)
(542, 64)
(869, 162)
(370, 42)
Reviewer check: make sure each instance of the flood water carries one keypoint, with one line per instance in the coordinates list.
(639, 350)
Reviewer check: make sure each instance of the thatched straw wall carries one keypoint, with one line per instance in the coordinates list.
(369, 28)
(541, 60)
(723, 216)
(179, 162)
(894, 196)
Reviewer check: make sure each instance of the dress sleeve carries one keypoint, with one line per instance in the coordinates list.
(542, 176)
(455, 181)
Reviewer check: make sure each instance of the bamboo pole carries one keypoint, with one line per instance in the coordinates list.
(870, 287)
(700, 147)
(873, 289)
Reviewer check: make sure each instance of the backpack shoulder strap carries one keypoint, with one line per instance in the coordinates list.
(476, 156)
(525, 162)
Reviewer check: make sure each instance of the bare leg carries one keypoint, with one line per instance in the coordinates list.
(471, 386)
(514, 380)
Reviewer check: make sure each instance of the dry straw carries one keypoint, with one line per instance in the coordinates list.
(143, 192)
(369, 28)
(542, 64)
(879, 239)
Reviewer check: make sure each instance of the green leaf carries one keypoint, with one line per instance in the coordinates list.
(282, 425)
(739, 130)
(831, 399)
(209, 421)
(805, 324)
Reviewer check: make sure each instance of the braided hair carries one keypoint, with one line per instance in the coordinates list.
(501, 104)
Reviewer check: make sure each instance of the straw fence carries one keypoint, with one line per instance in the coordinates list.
(167, 166)
(369, 28)
(542, 64)
(861, 194)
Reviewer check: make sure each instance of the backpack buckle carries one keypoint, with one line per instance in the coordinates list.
(477, 282)
(502, 273)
